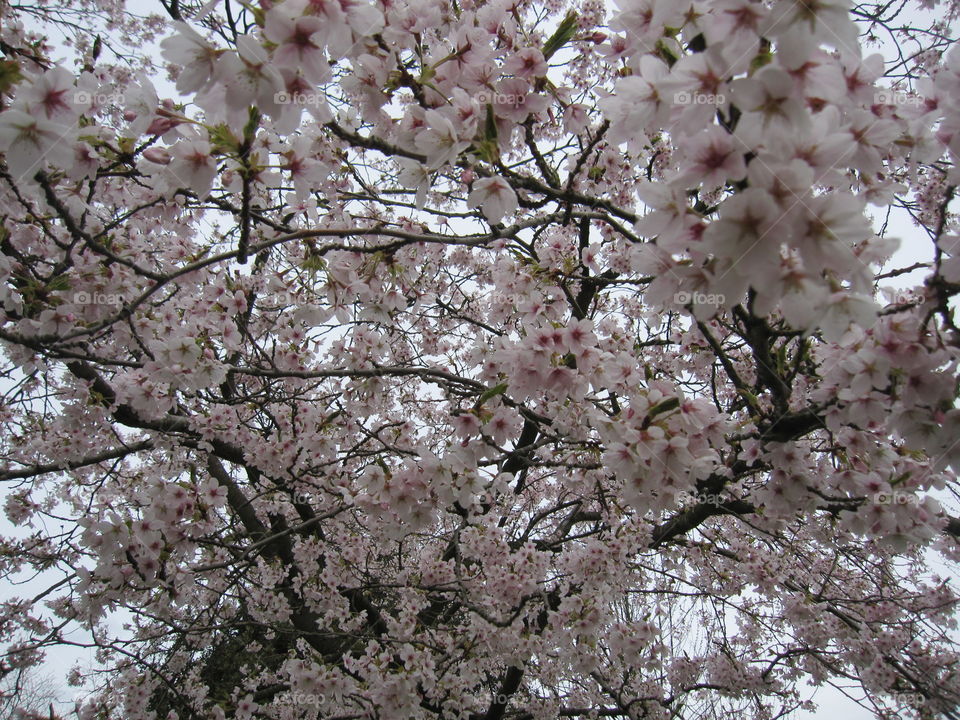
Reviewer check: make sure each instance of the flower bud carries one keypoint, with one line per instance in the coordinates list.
(161, 126)
(157, 155)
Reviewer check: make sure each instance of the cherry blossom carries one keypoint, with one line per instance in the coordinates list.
(30, 142)
(193, 55)
(742, 234)
(494, 196)
(714, 158)
(528, 63)
(561, 360)
(769, 106)
(439, 141)
(300, 40)
(249, 78)
(192, 165)
(798, 26)
(638, 103)
(54, 95)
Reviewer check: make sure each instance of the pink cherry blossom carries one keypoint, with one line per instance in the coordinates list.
(769, 106)
(528, 63)
(195, 57)
(714, 158)
(742, 234)
(54, 96)
(494, 196)
(192, 165)
(300, 41)
(249, 77)
(439, 141)
(641, 101)
(30, 143)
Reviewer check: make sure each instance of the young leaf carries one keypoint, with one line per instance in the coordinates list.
(562, 35)
(491, 393)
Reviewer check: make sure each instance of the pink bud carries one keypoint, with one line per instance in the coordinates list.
(467, 177)
(161, 125)
(157, 155)
(598, 37)
(129, 115)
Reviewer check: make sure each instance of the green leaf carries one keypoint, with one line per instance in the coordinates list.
(126, 145)
(562, 35)
(490, 132)
(487, 150)
(668, 55)
(314, 262)
(10, 74)
(491, 393)
(259, 16)
(781, 360)
(764, 57)
(393, 81)
(897, 480)
(664, 406)
(58, 283)
(222, 140)
(97, 399)
(250, 129)
(751, 399)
